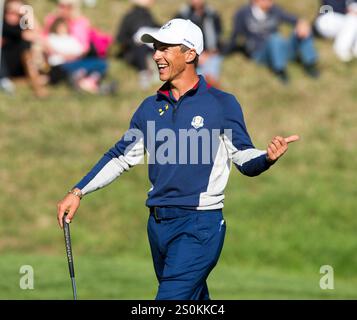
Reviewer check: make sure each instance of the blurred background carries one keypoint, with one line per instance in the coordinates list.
(68, 91)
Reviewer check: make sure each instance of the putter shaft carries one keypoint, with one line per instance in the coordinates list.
(74, 288)
(67, 237)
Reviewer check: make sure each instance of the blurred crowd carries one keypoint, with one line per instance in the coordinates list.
(67, 47)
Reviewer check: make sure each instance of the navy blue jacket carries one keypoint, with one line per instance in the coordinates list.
(180, 175)
(254, 31)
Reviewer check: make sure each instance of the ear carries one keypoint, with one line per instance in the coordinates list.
(190, 56)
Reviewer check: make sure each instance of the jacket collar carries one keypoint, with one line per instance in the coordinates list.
(200, 86)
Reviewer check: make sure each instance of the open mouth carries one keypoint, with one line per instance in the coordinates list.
(162, 67)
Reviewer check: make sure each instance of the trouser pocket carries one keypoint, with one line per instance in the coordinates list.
(209, 225)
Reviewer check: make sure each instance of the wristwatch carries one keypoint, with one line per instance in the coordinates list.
(76, 193)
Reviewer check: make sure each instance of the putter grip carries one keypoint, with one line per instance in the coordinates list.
(67, 238)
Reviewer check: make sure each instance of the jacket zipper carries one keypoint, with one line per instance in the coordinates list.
(176, 106)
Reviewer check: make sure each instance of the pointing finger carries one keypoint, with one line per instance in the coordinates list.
(59, 220)
(292, 138)
(60, 213)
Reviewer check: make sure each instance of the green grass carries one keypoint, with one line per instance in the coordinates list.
(281, 227)
(130, 277)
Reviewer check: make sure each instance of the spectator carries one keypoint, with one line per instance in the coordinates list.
(258, 23)
(135, 23)
(79, 25)
(62, 45)
(210, 23)
(63, 50)
(339, 24)
(84, 68)
(17, 57)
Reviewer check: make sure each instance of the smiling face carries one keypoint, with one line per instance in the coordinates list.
(171, 60)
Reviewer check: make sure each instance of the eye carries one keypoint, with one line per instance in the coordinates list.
(161, 48)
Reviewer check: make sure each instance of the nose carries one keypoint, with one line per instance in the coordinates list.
(156, 56)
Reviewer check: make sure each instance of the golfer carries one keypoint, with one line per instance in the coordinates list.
(191, 133)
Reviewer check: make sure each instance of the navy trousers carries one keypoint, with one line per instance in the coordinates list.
(185, 246)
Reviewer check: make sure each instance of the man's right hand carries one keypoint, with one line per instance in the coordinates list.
(69, 204)
(303, 29)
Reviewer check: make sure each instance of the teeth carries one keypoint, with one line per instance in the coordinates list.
(162, 65)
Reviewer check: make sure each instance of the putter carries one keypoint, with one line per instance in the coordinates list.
(67, 239)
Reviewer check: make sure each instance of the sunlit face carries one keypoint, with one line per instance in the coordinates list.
(170, 60)
(265, 5)
(197, 4)
(148, 3)
(65, 11)
(12, 13)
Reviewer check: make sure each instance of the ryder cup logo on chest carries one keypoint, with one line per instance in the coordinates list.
(197, 122)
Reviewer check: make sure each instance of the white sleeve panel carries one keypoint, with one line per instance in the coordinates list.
(240, 157)
(115, 167)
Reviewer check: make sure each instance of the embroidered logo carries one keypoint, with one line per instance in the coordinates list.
(197, 122)
(166, 26)
(189, 42)
(163, 110)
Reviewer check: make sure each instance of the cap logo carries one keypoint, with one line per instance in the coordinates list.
(189, 42)
(166, 26)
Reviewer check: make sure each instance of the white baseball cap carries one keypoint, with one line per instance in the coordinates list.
(177, 31)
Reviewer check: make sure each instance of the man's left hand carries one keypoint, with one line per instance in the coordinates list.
(278, 146)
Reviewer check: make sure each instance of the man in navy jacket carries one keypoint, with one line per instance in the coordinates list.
(258, 24)
(192, 133)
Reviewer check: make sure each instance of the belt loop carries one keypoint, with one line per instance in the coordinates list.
(155, 215)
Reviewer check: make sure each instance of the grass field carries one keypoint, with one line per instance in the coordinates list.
(281, 227)
(131, 277)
